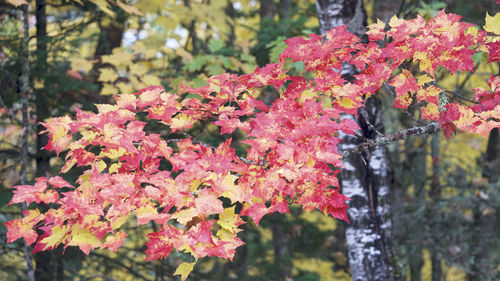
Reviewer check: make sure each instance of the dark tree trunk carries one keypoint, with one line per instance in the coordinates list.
(41, 98)
(365, 178)
(193, 36)
(484, 217)
(110, 37)
(231, 13)
(46, 261)
(435, 195)
(416, 160)
(266, 9)
(284, 9)
(281, 240)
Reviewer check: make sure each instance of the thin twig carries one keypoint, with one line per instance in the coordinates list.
(365, 116)
(460, 96)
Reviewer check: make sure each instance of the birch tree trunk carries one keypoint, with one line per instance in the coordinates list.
(365, 176)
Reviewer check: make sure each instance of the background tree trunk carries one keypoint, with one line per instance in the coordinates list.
(435, 195)
(484, 216)
(365, 178)
(46, 262)
(24, 93)
(416, 151)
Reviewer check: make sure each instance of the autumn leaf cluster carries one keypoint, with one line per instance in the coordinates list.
(198, 193)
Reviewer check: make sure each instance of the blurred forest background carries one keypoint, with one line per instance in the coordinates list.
(445, 195)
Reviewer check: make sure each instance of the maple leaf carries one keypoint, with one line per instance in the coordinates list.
(58, 129)
(447, 118)
(430, 112)
(376, 31)
(207, 203)
(58, 182)
(34, 193)
(184, 269)
(23, 228)
(492, 23)
(55, 236)
(158, 246)
(256, 211)
(494, 51)
(228, 125)
(229, 220)
(113, 242)
(83, 238)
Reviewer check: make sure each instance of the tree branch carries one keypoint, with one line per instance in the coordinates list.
(386, 139)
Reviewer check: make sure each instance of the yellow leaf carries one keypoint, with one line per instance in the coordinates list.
(114, 167)
(184, 269)
(347, 103)
(145, 213)
(310, 162)
(114, 153)
(228, 182)
(394, 22)
(151, 80)
(492, 23)
(100, 165)
(184, 216)
(180, 122)
(56, 237)
(117, 222)
(109, 89)
(307, 95)
(119, 57)
(129, 9)
(107, 75)
(125, 87)
(193, 186)
(68, 164)
(228, 219)
(225, 235)
(80, 64)
(103, 6)
(39, 83)
(84, 239)
(425, 62)
(137, 69)
(230, 190)
(423, 79)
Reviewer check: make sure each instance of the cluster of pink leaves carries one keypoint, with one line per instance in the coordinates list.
(291, 143)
